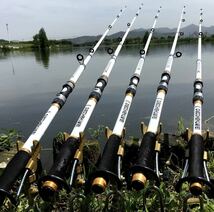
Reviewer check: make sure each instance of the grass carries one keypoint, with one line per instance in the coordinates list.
(124, 200)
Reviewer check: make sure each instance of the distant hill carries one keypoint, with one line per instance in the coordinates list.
(3, 41)
(189, 31)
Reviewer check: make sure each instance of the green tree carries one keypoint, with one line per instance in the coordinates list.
(40, 40)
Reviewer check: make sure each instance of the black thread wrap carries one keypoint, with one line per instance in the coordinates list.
(146, 157)
(163, 85)
(133, 84)
(99, 88)
(60, 169)
(62, 96)
(108, 163)
(11, 173)
(198, 91)
(196, 151)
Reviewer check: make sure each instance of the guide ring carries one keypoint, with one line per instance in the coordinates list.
(128, 24)
(110, 51)
(201, 33)
(80, 57)
(181, 33)
(142, 52)
(119, 39)
(91, 50)
(178, 54)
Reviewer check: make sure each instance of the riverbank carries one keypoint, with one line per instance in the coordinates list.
(172, 158)
(64, 44)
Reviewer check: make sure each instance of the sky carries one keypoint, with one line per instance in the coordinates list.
(73, 18)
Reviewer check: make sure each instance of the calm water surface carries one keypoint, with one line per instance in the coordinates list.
(29, 82)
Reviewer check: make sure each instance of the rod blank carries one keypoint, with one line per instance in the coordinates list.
(17, 165)
(56, 178)
(145, 166)
(107, 168)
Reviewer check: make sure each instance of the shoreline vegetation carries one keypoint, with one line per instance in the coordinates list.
(171, 161)
(41, 42)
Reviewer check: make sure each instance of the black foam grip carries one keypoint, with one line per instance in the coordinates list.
(146, 154)
(109, 158)
(13, 170)
(64, 158)
(196, 151)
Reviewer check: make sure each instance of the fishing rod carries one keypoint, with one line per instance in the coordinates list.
(109, 165)
(17, 165)
(149, 148)
(70, 154)
(11, 60)
(8, 34)
(195, 169)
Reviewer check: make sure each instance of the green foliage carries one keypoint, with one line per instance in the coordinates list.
(7, 139)
(95, 134)
(180, 126)
(211, 164)
(112, 199)
(40, 40)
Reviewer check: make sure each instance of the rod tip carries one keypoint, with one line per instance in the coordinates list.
(99, 185)
(196, 188)
(138, 181)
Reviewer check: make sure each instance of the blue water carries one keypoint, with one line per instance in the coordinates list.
(29, 82)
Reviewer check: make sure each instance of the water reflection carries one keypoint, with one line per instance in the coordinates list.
(31, 83)
(43, 56)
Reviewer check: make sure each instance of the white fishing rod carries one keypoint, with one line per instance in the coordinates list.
(195, 170)
(70, 152)
(109, 166)
(17, 165)
(144, 168)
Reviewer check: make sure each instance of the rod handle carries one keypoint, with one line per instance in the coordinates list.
(11, 173)
(107, 167)
(196, 151)
(144, 167)
(59, 172)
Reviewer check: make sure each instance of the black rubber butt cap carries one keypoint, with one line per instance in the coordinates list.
(97, 189)
(47, 193)
(196, 190)
(137, 185)
(2, 198)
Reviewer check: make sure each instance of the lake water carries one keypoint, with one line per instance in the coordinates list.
(29, 82)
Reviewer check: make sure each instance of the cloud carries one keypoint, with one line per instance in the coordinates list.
(70, 18)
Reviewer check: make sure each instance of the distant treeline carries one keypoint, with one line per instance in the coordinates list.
(155, 40)
(41, 42)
